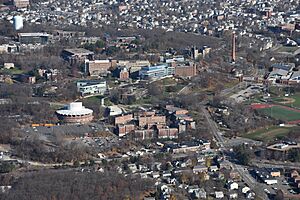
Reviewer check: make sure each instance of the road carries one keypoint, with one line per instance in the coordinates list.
(243, 172)
(275, 164)
(184, 89)
(231, 90)
(214, 128)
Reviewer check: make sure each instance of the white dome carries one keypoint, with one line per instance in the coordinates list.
(75, 108)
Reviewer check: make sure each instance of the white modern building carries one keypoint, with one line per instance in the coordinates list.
(88, 87)
(156, 71)
(75, 113)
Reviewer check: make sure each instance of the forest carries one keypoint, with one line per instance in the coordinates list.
(66, 185)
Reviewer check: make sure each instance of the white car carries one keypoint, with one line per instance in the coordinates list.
(267, 191)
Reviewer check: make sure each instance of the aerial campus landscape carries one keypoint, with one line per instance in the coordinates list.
(149, 100)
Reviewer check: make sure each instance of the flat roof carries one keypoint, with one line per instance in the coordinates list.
(33, 34)
(79, 51)
(75, 108)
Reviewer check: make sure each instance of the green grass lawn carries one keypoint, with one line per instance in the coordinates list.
(270, 133)
(13, 71)
(231, 84)
(297, 100)
(295, 104)
(277, 112)
(167, 81)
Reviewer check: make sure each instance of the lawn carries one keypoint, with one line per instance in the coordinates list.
(295, 104)
(297, 100)
(167, 81)
(12, 71)
(270, 133)
(231, 83)
(280, 113)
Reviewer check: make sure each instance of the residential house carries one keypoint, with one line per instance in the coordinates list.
(294, 173)
(219, 194)
(295, 77)
(245, 190)
(213, 168)
(233, 195)
(199, 169)
(278, 75)
(265, 176)
(233, 186)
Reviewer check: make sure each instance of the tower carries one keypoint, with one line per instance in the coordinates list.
(233, 48)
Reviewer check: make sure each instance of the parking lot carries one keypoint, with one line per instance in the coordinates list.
(245, 94)
(75, 130)
(98, 142)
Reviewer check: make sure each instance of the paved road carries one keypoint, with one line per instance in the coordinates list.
(247, 178)
(184, 89)
(214, 128)
(275, 164)
(231, 90)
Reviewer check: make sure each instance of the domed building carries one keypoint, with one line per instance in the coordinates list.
(75, 113)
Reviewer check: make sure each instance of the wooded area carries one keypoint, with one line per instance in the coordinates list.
(66, 185)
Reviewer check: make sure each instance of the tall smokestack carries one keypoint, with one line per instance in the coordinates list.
(233, 48)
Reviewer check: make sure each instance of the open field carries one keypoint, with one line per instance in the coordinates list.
(12, 71)
(281, 113)
(270, 133)
(295, 100)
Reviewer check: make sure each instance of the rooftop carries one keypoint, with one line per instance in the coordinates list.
(33, 34)
(79, 51)
(75, 108)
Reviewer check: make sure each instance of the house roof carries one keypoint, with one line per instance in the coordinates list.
(280, 72)
(284, 66)
(295, 74)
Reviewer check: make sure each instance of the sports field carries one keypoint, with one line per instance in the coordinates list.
(270, 133)
(292, 101)
(281, 113)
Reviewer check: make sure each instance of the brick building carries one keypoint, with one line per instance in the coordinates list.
(123, 74)
(167, 132)
(183, 70)
(97, 67)
(123, 119)
(21, 3)
(150, 120)
(171, 109)
(144, 134)
(77, 55)
(122, 130)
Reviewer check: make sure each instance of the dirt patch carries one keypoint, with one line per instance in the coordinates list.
(286, 100)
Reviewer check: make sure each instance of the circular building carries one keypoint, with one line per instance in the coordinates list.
(75, 113)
